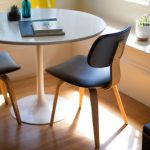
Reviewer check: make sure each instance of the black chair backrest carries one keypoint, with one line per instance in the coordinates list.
(104, 48)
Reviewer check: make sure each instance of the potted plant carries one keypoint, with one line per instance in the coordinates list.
(142, 28)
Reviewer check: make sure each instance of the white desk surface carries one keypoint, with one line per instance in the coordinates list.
(77, 26)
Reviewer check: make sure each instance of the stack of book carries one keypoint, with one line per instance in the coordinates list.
(45, 27)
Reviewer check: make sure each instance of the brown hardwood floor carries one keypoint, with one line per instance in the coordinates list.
(75, 132)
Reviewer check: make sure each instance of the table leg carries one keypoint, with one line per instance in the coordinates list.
(36, 109)
(40, 74)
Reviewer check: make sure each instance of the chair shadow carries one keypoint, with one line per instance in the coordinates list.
(103, 146)
(75, 121)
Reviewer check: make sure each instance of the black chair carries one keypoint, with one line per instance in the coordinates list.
(146, 137)
(101, 68)
(7, 65)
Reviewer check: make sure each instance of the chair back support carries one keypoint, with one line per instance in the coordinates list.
(104, 48)
(42, 3)
(107, 51)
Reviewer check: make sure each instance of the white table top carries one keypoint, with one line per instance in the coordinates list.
(77, 26)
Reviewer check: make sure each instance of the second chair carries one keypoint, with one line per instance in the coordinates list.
(8, 65)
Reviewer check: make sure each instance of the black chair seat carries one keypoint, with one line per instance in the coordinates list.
(77, 71)
(7, 64)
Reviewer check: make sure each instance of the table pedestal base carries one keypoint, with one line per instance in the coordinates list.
(34, 112)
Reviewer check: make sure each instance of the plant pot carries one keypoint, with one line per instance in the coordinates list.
(14, 13)
(142, 32)
(13, 16)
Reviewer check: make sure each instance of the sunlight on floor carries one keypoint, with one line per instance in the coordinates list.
(1, 99)
(111, 125)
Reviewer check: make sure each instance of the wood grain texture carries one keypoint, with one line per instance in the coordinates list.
(75, 133)
(116, 92)
(115, 66)
(94, 107)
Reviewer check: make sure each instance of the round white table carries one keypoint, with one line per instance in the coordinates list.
(77, 25)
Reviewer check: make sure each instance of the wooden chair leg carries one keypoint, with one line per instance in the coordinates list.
(10, 89)
(94, 106)
(4, 91)
(115, 89)
(81, 94)
(55, 101)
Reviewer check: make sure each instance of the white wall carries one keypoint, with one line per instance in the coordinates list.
(5, 4)
(67, 4)
(115, 10)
